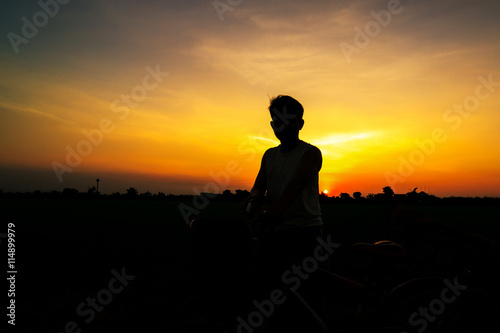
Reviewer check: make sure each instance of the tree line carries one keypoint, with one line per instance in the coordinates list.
(386, 196)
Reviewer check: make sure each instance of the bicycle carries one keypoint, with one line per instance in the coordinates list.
(390, 299)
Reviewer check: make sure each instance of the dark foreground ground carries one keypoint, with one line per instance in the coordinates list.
(120, 266)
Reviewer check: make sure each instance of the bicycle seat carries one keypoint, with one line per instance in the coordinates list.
(385, 248)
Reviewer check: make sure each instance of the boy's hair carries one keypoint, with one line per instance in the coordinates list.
(292, 105)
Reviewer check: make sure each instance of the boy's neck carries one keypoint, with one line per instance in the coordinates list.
(289, 145)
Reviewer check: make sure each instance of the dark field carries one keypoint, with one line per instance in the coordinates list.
(67, 249)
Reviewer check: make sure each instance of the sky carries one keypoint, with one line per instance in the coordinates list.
(172, 96)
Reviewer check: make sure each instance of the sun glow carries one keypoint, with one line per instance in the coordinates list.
(341, 138)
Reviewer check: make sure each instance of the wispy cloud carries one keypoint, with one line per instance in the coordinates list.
(32, 111)
(339, 139)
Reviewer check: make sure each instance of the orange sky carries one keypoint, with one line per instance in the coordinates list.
(91, 67)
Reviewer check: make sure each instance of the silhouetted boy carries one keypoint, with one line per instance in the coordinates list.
(288, 179)
(288, 175)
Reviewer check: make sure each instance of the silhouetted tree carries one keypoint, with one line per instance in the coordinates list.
(241, 194)
(54, 193)
(370, 196)
(357, 195)
(412, 194)
(146, 195)
(70, 192)
(345, 196)
(388, 191)
(132, 192)
(227, 195)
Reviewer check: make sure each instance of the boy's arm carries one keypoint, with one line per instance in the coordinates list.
(260, 186)
(310, 165)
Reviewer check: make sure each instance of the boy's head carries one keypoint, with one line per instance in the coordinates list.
(286, 113)
(292, 106)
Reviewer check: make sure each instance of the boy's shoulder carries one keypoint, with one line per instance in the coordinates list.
(272, 150)
(309, 146)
